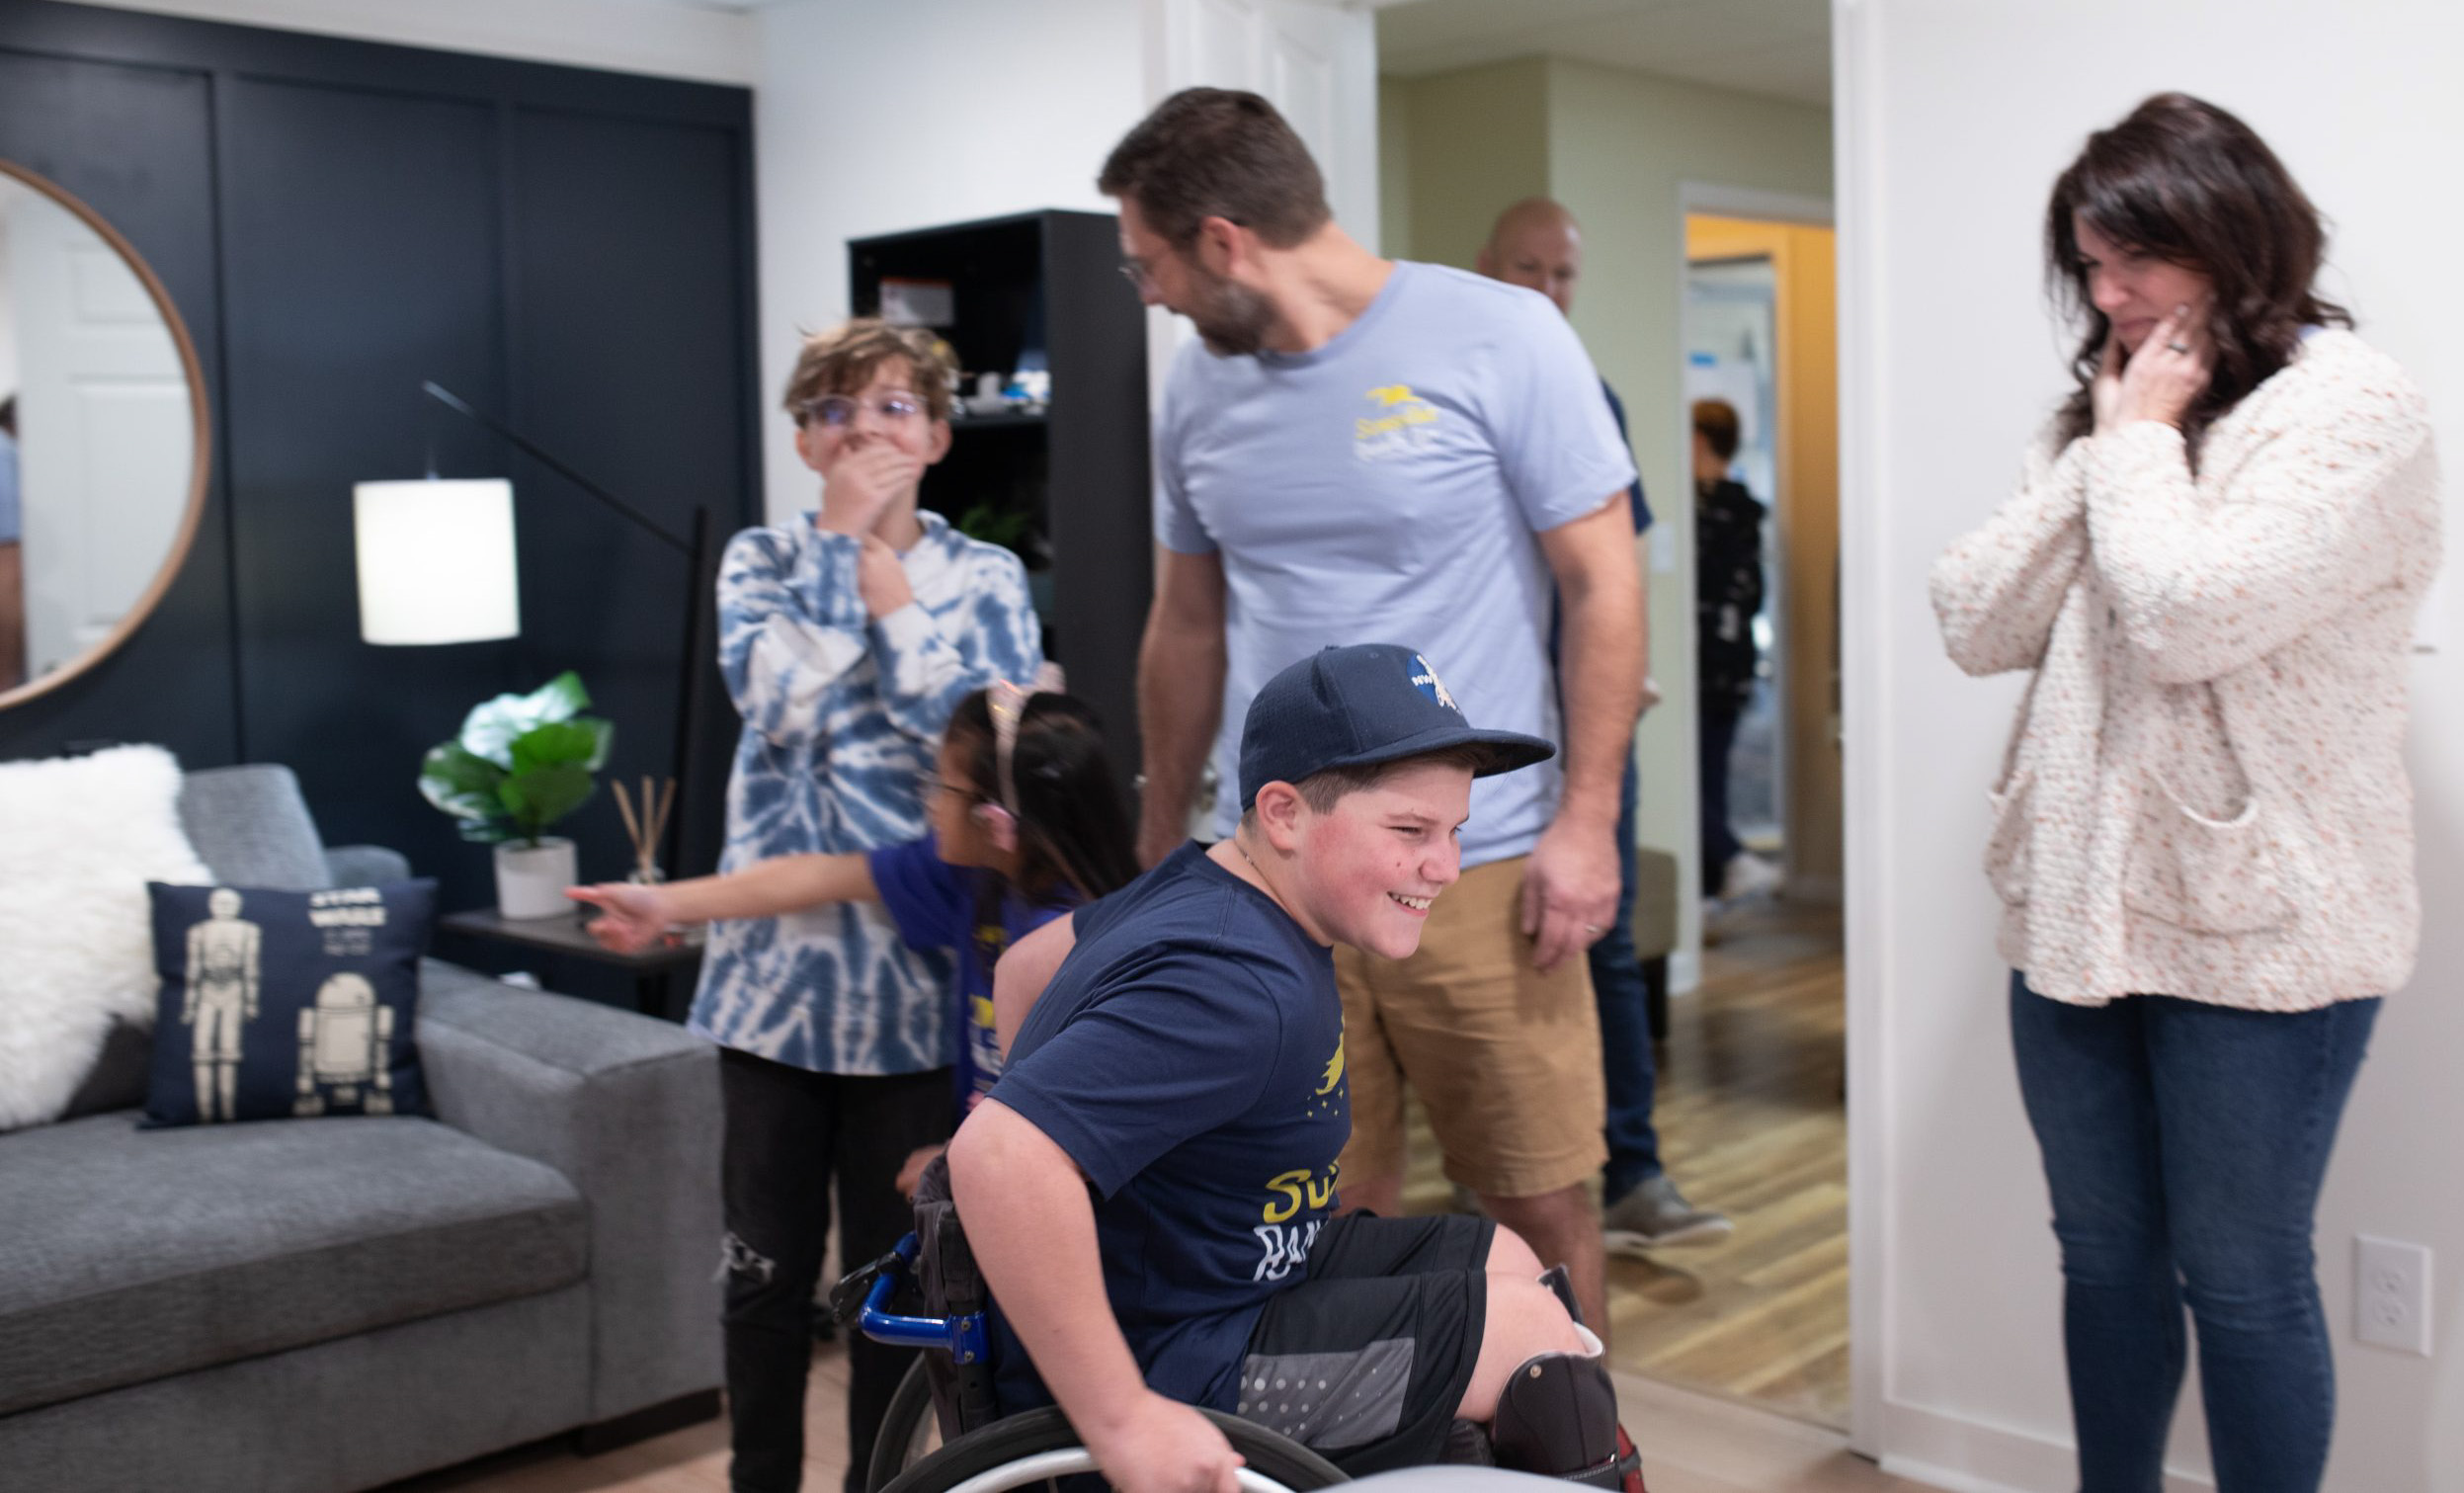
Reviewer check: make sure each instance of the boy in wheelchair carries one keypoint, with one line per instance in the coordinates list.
(1149, 1191)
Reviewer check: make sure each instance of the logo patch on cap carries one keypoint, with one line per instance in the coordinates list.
(1424, 679)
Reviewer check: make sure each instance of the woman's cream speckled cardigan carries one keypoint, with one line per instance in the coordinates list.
(2205, 794)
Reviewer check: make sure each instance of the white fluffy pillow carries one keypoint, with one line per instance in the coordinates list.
(83, 836)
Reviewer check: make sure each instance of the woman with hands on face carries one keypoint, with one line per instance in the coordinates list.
(2202, 834)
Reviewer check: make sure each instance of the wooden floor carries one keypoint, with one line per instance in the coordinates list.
(1690, 1443)
(1753, 1122)
(1709, 1342)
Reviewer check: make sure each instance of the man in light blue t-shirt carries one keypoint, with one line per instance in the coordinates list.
(1363, 451)
(1537, 244)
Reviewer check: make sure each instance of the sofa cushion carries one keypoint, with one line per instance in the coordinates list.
(127, 1255)
(251, 825)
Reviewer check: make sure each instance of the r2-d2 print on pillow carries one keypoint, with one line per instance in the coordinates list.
(287, 1004)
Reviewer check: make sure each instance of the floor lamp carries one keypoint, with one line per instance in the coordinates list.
(436, 561)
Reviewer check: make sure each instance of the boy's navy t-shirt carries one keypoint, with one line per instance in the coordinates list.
(937, 905)
(1188, 1057)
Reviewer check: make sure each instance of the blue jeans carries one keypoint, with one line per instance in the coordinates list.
(2184, 1144)
(1625, 1027)
(1716, 739)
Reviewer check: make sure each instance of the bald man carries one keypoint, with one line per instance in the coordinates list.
(1537, 244)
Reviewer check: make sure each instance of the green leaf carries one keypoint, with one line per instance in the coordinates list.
(994, 526)
(539, 796)
(460, 784)
(490, 728)
(582, 742)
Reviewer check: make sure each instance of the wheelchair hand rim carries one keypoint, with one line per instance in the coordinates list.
(1075, 1460)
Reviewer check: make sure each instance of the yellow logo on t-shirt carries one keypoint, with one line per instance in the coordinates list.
(1405, 423)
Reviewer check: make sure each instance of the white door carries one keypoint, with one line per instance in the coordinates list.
(1315, 60)
(103, 423)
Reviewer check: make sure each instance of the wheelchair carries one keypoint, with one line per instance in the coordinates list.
(943, 1431)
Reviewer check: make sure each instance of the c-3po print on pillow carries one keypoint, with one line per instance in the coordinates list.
(278, 1004)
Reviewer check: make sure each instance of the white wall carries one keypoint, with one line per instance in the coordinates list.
(657, 36)
(1956, 115)
(876, 117)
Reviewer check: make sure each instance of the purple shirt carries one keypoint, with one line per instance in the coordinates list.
(940, 906)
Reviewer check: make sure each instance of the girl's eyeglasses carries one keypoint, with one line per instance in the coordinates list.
(930, 786)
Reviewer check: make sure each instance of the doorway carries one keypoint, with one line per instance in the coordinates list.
(1751, 1106)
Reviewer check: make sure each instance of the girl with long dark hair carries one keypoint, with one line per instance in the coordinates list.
(1028, 823)
(2203, 832)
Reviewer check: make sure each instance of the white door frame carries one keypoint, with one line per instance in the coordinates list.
(1864, 732)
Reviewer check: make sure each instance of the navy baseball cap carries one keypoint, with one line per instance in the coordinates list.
(1357, 705)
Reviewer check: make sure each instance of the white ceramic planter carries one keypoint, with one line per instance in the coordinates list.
(531, 880)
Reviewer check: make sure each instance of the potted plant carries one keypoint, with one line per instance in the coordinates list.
(519, 764)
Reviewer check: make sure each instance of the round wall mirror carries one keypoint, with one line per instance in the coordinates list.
(103, 438)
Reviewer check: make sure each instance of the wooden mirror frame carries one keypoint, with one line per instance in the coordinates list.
(200, 461)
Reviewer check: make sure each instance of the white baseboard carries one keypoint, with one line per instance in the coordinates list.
(1685, 972)
(1971, 1457)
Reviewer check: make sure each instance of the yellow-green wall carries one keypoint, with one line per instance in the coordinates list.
(1614, 147)
(1473, 141)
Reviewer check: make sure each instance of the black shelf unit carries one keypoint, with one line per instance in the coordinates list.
(1076, 475)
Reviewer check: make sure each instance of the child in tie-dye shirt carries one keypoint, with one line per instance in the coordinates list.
(847, 639)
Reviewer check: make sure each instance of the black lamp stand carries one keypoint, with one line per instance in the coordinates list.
(697, 552)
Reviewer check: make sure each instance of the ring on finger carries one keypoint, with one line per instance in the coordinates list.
(2179, 347)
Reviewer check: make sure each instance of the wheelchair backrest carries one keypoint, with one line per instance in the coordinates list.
(951, 1285)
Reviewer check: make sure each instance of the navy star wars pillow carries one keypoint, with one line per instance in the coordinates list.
(278, 1004)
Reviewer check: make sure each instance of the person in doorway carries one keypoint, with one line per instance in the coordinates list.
(1728, 595)
(847, 639)
(2205, 837)
(1360, 446)
(1537, 243)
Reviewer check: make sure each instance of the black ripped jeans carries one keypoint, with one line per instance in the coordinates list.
(789, 1132)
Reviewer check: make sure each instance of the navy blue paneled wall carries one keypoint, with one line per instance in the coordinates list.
(335, 221)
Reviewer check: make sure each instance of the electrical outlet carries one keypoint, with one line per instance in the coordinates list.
(2391, 1293)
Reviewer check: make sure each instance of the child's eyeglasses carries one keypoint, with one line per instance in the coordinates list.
(837, 411)
(930, 786)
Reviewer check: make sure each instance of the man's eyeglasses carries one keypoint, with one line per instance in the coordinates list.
(1138, 276)
(837, 411)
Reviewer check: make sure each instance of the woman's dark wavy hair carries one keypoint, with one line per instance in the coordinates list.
(2189, 183)
(1073, 828)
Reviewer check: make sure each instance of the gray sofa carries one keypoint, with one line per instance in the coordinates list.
(321, 1306)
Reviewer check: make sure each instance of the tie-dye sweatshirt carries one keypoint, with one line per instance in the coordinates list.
(842, 714)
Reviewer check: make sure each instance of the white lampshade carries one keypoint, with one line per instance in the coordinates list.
(437, 562)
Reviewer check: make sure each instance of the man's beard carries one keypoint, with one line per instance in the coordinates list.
(1231, 320)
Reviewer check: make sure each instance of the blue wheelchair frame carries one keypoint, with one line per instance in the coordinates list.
(962, 1336)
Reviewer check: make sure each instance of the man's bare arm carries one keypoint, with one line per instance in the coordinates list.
(1181, 669)
(1031, 1228)
(1570, 889)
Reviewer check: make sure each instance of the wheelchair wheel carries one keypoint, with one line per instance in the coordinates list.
(1031, 1448)
(910, 1429)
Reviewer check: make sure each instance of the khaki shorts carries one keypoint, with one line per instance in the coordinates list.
(1506, 1058)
